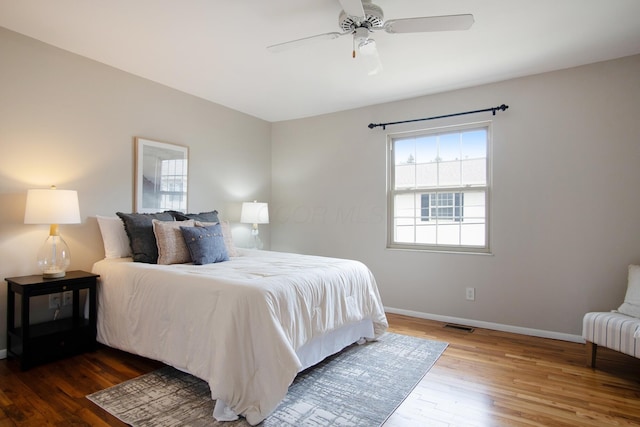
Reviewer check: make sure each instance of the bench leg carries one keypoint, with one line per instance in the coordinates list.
(591, 354)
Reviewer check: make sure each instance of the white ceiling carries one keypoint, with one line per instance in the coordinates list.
(216, 49)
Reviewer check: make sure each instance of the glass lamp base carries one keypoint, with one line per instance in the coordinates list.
(54, 257)
(53, 274)
(257, 243)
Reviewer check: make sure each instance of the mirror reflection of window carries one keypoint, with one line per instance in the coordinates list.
(162, 176)
(173, 184)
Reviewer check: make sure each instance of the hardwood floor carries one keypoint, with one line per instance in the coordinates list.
(491, 378)
(484, 378)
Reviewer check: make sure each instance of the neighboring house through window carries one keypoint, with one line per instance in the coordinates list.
(442, 206)
(439, 189)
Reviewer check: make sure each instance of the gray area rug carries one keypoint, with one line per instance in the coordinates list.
(360, 386)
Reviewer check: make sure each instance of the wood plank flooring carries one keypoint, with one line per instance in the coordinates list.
(484, 378)
(491, 378)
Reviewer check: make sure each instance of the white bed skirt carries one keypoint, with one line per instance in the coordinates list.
(312, 353)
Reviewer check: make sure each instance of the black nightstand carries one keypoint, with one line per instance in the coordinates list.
(42, 342)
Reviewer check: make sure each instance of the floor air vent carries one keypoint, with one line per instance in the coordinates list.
(459, 327)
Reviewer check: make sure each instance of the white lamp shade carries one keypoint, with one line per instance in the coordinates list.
(254, 213)
(52, 206)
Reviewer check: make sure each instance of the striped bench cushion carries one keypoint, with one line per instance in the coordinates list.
(613, 330)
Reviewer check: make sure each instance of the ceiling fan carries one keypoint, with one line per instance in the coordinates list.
(362, 18)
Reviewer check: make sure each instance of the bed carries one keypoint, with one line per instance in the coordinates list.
(246, 326)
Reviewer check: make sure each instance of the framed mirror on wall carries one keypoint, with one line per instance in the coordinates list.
(161, 176)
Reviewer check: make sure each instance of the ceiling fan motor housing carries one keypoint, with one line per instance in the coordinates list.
(373, 17)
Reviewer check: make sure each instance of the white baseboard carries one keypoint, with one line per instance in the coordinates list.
(3, 353)
(489, 325)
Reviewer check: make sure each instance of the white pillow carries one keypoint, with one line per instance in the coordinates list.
(114, 237)
(228, 238)
(631, 305)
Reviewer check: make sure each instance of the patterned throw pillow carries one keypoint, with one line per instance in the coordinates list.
(206, 244)
(171, 246)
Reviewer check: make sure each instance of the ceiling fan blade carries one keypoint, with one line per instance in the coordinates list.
(429, 23)
(302, 42)
(352, 8)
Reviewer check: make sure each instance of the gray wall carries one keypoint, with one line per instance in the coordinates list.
(70, 121)
(564, 205)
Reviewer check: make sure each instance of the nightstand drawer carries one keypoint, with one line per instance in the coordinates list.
(59, 345)
(52, 340)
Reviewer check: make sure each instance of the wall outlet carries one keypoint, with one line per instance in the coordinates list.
(67, 297)
(471, 294)
(54, 301)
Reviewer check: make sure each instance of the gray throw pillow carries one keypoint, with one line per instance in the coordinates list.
(139, 228)
(202, 216)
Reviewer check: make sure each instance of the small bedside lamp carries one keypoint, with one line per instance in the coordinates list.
(255, 213)
(52, 207)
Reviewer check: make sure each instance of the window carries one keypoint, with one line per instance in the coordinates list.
(439, 189)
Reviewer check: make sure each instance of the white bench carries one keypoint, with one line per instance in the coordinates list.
(613, 330)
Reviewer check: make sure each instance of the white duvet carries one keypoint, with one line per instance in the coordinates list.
(236, 324)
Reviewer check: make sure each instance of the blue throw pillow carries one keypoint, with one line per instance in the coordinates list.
(206, 244)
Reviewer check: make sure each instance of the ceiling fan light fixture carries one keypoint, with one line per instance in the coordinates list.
(367, 47)
(372, 62)
(368, 51)
(360, 36)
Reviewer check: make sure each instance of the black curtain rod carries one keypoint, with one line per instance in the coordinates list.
(492, 109)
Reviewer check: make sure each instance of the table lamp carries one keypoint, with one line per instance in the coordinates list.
(52, 207)
(255, 213)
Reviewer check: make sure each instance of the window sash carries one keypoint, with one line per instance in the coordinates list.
(416, 226)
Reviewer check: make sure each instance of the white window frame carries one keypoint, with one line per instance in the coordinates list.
(392, 191)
